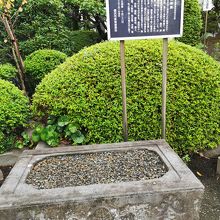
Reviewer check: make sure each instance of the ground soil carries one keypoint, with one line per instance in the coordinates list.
(205, 170)
(5, 171)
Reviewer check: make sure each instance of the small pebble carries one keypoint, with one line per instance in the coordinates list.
(96, 168)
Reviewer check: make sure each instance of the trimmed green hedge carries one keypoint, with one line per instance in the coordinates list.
(87, 88)
(14, 108)
(7, 72)
(192, 26)
(40, 63)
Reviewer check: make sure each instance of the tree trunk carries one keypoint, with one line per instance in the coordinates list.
(16, 53)
(18, 68)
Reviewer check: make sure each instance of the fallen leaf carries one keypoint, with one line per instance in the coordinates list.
(198, 173)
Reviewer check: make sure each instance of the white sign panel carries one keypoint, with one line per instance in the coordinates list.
(207, 5)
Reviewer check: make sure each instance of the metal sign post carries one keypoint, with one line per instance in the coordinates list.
(123, 84)
(164, 87)
(207, 6)
(206, 24)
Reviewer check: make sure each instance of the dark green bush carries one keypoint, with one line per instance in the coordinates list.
(87, 88)
(7, 72)
(39, 18)
(68, 42)
(14, 107)
(192, 26)
(40, 63)
(7, 141)
(81, 39)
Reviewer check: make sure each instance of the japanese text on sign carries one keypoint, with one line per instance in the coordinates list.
(144, 18)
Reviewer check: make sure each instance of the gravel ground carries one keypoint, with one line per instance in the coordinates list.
(94, 168)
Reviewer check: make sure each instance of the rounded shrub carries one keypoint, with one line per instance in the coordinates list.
(87, 88)
(14, 107)
(40, 63)
(192, 26)
(7, 72)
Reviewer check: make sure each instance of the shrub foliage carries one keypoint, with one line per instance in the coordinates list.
(40, 63)
(68, 42)
(7, 72)
(7, 141)
(192, 26)
(87, 88)
(14, 113)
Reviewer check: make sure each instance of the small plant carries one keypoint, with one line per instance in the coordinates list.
(57, 130)
(186, 158)
(23, 141)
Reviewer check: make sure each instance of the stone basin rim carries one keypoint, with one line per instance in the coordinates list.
(178, 193)
(179, 181)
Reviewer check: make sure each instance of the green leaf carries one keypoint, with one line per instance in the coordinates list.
(39, 128)
(43, 134)
(35, 137)
(25, 135)
(60, 129)
(63, 121)
(72, 128)
(53, 142)
(78, 137)
(51, 127)
(26, 138)
(19, 145)
(51, 120)
(68, 133)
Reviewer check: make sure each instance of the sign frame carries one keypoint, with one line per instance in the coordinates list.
(143, 37)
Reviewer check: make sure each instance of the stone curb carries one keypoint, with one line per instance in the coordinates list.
(41, 145)
(10, 158)
(218, 166)
(1, 175)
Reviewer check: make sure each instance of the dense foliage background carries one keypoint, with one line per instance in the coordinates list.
(192, 23)
(87, 89)
(40, 63)
(14, 114)
(52, 24)
(84, 93)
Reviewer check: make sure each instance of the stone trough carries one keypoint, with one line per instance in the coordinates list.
(175, 195)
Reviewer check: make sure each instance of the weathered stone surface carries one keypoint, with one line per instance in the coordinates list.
(214, 153)
(218, 166)
(1, 175)
(41, 145)
(176, 195)
(9, 158)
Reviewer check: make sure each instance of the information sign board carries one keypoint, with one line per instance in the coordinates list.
(207, 5)
(140, 19)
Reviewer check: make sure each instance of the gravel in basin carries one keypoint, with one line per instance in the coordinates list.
(96, 168)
